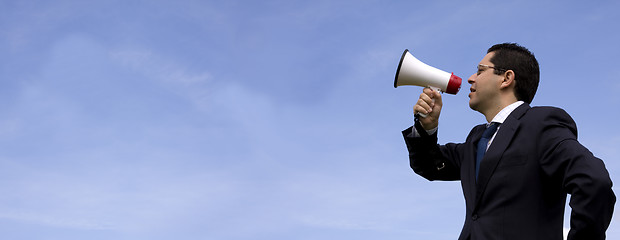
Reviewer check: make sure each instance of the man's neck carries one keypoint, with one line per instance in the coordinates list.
(491, 113)
(504, 113)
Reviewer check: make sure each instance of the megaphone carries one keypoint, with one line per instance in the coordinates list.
(412, 71)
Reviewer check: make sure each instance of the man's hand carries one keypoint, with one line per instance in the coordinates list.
(429, 104)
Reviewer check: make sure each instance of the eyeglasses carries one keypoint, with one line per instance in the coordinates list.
(487, 66)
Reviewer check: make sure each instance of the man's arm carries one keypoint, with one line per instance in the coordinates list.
(427, 158)
(592, 199)
(582, 175)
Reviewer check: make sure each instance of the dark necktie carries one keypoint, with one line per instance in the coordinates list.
(482, 144)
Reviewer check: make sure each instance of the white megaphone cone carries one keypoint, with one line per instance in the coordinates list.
(412, 71)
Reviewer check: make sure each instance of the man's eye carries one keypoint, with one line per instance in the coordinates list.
(479, 72)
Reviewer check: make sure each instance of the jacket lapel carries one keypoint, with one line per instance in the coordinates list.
(494, 154)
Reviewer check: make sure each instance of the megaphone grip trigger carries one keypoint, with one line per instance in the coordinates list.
(436, 89)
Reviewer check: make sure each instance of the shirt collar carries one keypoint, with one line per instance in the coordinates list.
(503, 114)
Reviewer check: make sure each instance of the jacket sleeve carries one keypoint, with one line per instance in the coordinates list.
(581, 174)
(430, 160)
(592, 199)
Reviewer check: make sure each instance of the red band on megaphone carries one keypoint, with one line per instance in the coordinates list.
(454, 85)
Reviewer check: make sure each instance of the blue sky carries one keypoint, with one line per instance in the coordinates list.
(263, 119)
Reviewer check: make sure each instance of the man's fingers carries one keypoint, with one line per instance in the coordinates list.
(424, 104)
(427, 100)
(437, 98)
(419, 109)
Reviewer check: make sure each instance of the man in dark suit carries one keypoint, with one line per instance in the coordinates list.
(515, 170)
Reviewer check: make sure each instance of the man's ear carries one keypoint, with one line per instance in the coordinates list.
(509, 79)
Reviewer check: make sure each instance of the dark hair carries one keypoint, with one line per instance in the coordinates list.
(512, 56)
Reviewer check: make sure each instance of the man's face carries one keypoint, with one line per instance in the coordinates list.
(485, 86)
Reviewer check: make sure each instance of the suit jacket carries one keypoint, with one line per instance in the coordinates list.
(532, 163)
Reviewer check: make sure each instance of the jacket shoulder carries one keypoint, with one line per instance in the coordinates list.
(549, 117)
(548, 110)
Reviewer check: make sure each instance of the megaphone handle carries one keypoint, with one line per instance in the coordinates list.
(422, 115)
(436, 89)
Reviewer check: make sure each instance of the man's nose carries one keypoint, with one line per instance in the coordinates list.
(471, 79)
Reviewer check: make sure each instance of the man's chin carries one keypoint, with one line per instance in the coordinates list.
(473, 105)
